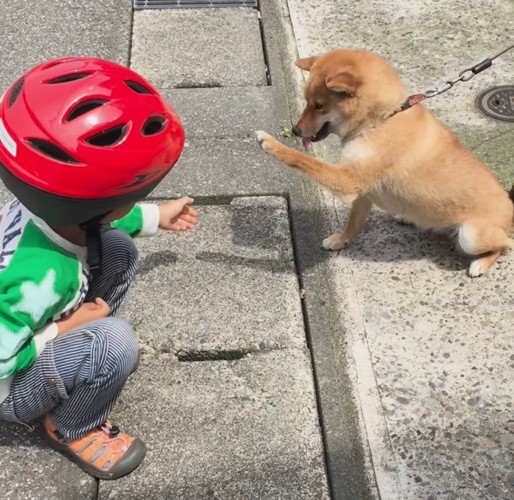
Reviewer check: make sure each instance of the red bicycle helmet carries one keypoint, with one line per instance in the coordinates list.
(80, 137)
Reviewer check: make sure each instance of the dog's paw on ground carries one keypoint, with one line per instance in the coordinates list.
(264, 139)
(334, 242)
(476, 269)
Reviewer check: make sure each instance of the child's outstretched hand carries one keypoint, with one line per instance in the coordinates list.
(177, 215)
(88, 311)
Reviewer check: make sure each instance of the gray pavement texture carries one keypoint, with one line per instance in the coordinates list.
(30, 469)
(219, 429)
(240, 264)
(217, 167)
(32, 32)
(216, 112)
(431, 349)
(199, 48)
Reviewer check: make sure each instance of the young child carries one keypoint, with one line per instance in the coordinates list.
(82, 140)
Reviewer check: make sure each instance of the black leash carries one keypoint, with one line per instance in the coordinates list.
(464, 76)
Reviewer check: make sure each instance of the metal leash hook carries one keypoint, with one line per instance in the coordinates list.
(443, 87)
(464, 76)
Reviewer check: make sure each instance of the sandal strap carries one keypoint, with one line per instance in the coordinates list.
(103, 447)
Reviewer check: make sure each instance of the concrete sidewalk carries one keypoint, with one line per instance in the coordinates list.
(430, 350)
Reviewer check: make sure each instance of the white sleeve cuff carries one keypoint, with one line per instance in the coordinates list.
(43, 335)
(150, 219)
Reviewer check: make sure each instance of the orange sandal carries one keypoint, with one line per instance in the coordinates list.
(104, 453)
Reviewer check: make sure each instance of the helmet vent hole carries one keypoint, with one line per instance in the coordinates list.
(16, 91)
(154, 125)
(70, 77)
(85, 107)
(108, 137)
(138, 87)
(52, 151)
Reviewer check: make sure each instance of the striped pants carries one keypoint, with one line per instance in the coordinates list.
(78, 376)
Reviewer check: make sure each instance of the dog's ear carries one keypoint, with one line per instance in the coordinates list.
(306, 64)
(342, 83)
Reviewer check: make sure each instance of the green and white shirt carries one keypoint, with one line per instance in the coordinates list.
(43, 278)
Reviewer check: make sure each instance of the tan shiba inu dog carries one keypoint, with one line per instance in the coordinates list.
(407, 163)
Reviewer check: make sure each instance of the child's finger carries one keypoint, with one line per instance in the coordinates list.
(190, 210)
(102, 304)
(188, 218)
(186, 200)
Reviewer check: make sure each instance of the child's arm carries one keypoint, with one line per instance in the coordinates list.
(144, 219)
(19, 348)
(27, 305)
(39, 282)
(177, 215)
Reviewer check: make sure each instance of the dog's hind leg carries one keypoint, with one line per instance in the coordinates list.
(358, 214)
(478, 238)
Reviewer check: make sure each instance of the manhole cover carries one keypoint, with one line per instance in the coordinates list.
(498, 103)
(184, 4)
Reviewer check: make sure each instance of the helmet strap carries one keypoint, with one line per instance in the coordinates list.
(94, 244)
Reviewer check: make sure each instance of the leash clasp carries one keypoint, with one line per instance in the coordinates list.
(443, 87)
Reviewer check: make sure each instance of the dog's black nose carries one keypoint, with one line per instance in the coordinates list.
(297, 131)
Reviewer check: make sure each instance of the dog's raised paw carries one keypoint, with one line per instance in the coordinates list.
(264, 139)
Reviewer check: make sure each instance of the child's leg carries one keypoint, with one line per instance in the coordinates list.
(93, 364)
(119, 267)
(76, 381)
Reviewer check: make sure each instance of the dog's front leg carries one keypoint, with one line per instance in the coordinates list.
(358, 214)
(343, 180)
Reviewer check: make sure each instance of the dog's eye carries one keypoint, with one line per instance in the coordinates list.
(318, 106)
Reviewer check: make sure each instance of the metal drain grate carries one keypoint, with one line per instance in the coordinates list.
(497, 103)
(185, 4)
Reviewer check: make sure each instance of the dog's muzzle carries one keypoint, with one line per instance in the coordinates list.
(319, 136)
